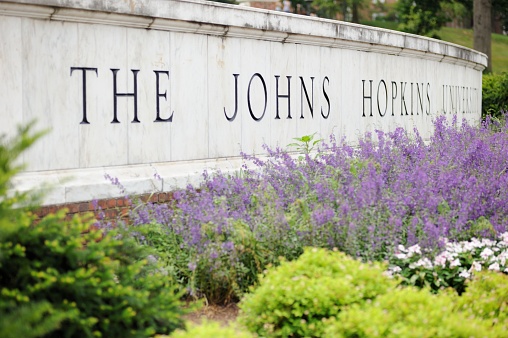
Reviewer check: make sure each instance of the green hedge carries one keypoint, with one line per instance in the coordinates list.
(494, 94)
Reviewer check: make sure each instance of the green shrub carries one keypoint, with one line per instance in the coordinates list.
(219, 275)
(297, 298)
(407, 312)
(210, 329)
(486, 297)
(32, 320)
(494, 94)
(101, 283)
(36, 318)
(63, 279)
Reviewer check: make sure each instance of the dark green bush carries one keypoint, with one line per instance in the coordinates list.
(299, 297)
(35, 319)
(63, 279)
(494, 94)
(408, 313)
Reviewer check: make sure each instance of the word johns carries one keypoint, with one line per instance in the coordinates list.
(134, 94)
(392, 97)
(258, 80)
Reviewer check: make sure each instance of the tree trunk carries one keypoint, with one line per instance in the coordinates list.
(482, 27)
(344, 10)
(355, 18)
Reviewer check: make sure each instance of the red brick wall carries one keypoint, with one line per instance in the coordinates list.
(110, 209)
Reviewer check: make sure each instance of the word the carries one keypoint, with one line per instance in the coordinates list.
(117, 95)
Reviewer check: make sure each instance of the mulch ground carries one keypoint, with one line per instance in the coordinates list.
(222, 314)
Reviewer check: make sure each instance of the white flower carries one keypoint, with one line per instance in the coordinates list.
(476, 266)
(401, 256)
(395, 269)
(494, 267)
(388, 273)
(440, 260)
(454, 248)
(468, 246)
(455, 262)
(487, 242)
(503, 256)
(401, 248)
(464, 274)
(425, 262)
(415, 249)
(476, 243)
(504, 238)
(486, 253)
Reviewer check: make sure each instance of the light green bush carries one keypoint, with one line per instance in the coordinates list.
(299, 297)
(408, 313)
(209, 330)
(486, 297)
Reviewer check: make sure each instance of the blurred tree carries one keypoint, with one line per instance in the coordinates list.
(425, 17)
(459, 13)
(356, 5)
(484, 14)
(501, 9)
(330, 8)
(300, 6)
(422, 17)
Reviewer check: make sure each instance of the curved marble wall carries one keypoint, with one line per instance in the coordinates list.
(138, 87)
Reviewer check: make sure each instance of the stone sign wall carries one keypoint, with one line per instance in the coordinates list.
(142, 88)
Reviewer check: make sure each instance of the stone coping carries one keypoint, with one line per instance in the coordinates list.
(206, 17)
(78, 185)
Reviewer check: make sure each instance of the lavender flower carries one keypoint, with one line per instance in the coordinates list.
(391, 189)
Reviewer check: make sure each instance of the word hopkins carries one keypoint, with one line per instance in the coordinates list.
(412, 98)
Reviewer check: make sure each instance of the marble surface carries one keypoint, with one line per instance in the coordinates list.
(11, 95)
(181, 70)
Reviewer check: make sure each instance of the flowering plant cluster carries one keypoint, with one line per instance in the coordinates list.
(390, 189)
(451, 267)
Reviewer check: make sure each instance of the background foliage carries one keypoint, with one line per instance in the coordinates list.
(495, 94)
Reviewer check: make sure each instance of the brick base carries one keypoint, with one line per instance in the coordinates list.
(110, 209)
